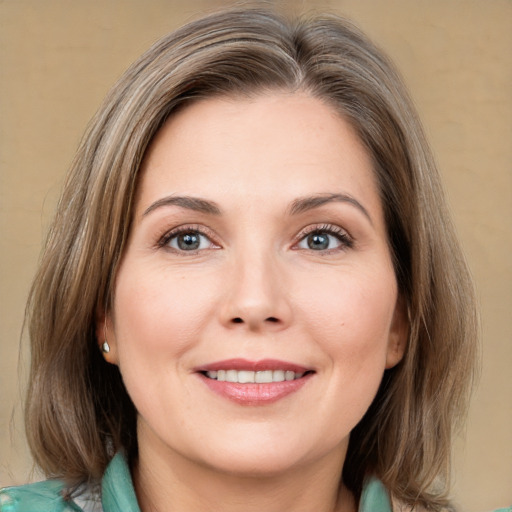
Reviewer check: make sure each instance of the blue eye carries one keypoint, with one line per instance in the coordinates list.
(325, 240)
(189, 240)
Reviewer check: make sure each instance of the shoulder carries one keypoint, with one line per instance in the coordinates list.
(47, 496)
(44, 496)
(398, 506)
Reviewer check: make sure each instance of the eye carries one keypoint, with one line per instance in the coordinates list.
(326, 238)
(187, 240)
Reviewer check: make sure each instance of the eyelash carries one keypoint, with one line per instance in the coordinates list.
(164, 240)
(346, 241)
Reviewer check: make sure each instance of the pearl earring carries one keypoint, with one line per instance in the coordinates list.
(105, 348)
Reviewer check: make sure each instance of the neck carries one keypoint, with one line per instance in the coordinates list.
(168, 481)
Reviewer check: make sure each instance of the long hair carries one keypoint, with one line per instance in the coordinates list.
(78, 412)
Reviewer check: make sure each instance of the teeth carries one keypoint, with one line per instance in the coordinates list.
(278, 376)
(231, 376)
(263, 377)
(288, 375)
(245, 376)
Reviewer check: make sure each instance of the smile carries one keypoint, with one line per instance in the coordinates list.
(254, 383)
(248, 376)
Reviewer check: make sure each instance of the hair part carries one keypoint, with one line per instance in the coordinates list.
(78, 412)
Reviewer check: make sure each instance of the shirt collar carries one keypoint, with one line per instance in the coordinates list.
(375, 497)
(118, 494)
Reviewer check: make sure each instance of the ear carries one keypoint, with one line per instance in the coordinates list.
(398, 334)
(105, 337)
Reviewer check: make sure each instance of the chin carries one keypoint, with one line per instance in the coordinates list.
(255, 465)
(264, 457)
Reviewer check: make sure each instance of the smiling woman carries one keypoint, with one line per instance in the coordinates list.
(251, 295)
(275, 302)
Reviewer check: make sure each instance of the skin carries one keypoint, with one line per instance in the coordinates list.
(254, 289)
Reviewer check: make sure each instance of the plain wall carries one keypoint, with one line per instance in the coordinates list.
(58, 58)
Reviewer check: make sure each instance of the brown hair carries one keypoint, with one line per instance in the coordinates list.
(78, 412)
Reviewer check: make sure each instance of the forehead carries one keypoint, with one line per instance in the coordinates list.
(279, 145)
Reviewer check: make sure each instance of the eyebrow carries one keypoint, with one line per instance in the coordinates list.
(303, 204)
(300, 205)
(190, 203)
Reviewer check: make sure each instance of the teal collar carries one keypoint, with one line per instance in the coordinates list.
(118, 494)
(375, 497)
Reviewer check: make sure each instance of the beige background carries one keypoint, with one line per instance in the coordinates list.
(59, 57)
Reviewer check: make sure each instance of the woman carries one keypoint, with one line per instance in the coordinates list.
(251, 296)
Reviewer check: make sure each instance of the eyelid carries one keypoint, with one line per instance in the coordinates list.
(168, 234)
(332, 229)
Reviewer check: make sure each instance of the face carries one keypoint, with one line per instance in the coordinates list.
(255, 308)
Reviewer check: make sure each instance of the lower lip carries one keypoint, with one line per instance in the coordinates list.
(255, 394)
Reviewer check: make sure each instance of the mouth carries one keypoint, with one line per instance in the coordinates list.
(256, 377)
(254, 383)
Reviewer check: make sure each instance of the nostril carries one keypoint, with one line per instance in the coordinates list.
(239, 320)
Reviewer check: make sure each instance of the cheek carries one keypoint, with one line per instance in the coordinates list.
(350, 317)
(157, 313)
(350, 304)
(158, 317)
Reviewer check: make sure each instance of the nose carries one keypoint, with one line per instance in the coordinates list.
(257, 296)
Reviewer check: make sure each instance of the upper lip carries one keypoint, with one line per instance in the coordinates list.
(256, 366)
